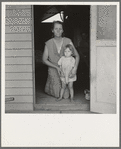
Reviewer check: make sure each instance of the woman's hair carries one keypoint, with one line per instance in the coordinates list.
(57, 22)
(70, 47)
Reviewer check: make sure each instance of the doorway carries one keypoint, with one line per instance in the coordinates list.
(76, 27)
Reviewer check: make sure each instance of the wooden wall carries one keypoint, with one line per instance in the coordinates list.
(18, 57)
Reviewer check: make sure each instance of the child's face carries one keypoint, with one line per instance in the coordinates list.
(67, 52)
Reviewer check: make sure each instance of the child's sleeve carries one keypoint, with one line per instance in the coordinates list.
(60, 61)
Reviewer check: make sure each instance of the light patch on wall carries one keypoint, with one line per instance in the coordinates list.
(54, 18)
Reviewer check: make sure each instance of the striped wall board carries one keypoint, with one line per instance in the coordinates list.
(18, 21)
(18, 29)
(18, 6)
(19, 91)
(15, 84)
(18, 44)
(18, 37)
(18, 99)
(18, 57)
(18, 60)
(15, 53)
(21, 12)
(18, 76)
(18, 68)
(19, 106)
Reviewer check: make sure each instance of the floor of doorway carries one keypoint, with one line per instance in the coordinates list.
(49, 103)
(43, 98)
(46, 102)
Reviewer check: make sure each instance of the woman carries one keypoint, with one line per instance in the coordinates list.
(52, 53)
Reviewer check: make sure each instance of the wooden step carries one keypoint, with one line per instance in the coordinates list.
(62, 107)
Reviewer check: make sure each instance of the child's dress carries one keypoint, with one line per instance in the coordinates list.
(67, 64)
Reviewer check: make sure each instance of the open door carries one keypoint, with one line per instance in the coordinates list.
(77, 29)
(103, 59)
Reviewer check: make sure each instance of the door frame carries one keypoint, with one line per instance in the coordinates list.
(36, 106)
(33, 59)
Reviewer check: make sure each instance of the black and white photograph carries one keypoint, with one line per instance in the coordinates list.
(35, 40)
(61, 59)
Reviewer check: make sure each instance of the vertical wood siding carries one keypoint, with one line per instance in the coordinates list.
(18, 57)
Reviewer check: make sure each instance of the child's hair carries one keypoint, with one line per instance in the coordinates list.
(70, 47)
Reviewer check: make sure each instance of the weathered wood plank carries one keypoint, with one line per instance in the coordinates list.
(18, 29)
(18, 84)
(71, 106)
(16, 53)
(19, 91)
(17, 6)
(17, 37)
(18, 76)
(18, 12)
(19, 106)
(18, 60)
(18, 68)
(18, 21)
(18, 44)
(28, 99)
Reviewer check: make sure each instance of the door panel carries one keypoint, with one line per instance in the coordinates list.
(106, 22)
(103, 59)
(106, 81)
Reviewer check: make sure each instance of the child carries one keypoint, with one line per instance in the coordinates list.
(66, 63)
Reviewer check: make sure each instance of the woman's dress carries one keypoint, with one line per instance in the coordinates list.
(53, 84)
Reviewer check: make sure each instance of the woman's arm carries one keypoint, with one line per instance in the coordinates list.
(47, 62)
(77, 58)
(45, 58)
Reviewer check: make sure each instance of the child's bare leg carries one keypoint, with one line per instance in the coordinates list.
(62, 91)
(70, 86)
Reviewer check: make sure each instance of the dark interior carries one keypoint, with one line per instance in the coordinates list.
(76, 27)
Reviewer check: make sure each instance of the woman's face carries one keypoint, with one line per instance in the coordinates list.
(57, 30)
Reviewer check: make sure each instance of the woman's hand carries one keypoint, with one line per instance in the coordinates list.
(59, 70)
(62, 74)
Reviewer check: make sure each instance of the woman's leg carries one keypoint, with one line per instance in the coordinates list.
(70, 86)
(62, 91)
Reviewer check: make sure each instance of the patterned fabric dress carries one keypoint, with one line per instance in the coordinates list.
(53, 84)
